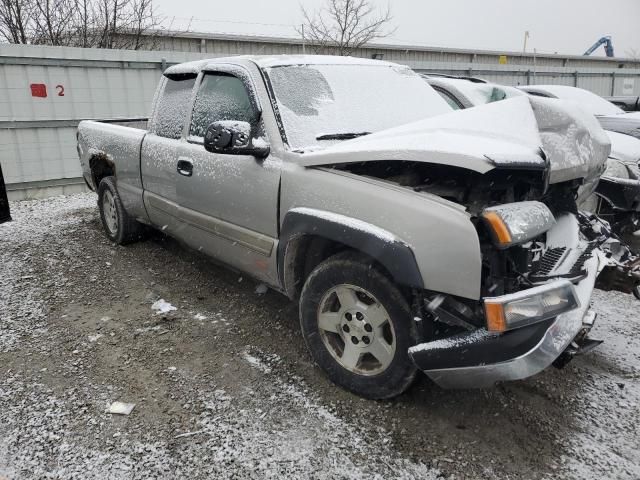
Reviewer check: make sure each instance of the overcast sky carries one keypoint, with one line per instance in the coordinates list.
(563, 26)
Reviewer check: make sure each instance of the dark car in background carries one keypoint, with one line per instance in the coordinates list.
(629, 103)
(5, 214)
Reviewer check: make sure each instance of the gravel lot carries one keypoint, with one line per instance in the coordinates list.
(224, 387)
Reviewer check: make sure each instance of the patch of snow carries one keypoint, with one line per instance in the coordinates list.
(162, 306)
(588, 101)
(350, 222)
(260, 142)
(289, 60)
(624, 147)
(257, 363)
(121, 408)
(453, 342)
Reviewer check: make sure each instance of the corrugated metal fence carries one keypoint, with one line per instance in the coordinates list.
(46, 91)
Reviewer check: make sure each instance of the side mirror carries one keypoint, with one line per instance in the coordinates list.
(234, 138)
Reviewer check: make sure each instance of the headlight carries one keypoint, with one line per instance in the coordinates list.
(615, 169)
(530, 306)
(514, 223)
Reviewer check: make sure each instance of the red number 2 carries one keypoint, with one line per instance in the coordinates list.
(60, 89)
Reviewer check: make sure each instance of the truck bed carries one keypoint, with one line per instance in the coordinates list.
(118, 141)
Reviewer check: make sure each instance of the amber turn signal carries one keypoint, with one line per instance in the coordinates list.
(500, 229)
(496, 321)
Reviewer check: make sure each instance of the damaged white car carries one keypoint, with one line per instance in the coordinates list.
(449, 244)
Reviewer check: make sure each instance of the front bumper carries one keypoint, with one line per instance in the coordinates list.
(480, 359)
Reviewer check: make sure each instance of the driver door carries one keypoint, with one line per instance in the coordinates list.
(229, 202)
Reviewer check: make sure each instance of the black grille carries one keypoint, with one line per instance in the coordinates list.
(549, 260)
(578, 267)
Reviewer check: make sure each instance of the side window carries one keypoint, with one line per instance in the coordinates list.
(220, 97)
(453, 102)
(497, 94)
(173, 105)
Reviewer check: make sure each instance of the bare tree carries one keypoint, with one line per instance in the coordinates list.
(344, 25)
(130, 24)
(633, 53)
(51, 21)
(15, 20)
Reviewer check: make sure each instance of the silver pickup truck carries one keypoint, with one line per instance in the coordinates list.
(413, 237)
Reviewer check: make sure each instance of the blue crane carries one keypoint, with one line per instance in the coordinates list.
(608, 46)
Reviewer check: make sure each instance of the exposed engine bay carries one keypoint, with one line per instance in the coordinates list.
(559, 253)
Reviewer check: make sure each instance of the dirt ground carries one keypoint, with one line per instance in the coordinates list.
(224, 388)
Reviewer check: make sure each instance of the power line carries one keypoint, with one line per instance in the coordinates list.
(237, 22)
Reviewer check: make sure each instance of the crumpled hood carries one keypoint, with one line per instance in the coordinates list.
(574, 141)
(509, 133)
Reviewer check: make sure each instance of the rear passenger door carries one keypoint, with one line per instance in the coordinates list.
(229, 202)
(159, 156)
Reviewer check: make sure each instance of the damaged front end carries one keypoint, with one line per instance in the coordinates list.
(535, 306)
(538, 271)
(541, 259)
(541, 262)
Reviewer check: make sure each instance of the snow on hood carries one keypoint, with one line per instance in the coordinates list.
(477, 139)
(631, 115)
(624, 147)
(512, 132)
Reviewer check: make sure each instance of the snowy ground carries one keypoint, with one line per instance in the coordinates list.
(224, 388)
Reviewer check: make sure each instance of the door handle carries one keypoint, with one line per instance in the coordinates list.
(185, 167)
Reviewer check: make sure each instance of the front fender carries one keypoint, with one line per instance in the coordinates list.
(439, 235)
(393, 254)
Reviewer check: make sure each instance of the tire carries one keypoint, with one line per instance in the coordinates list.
(117, 224)
(360, 346)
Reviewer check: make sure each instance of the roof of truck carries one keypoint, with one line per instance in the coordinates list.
(267, 61)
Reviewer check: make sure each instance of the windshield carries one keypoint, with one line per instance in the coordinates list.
(324, 104)
(589, 101)
(482, 93)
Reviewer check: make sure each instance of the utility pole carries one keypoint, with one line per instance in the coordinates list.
(526, 37)
(304, 42)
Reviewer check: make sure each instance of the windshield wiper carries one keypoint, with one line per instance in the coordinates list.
(342, 136)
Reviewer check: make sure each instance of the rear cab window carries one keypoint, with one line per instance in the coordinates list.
(172, 107)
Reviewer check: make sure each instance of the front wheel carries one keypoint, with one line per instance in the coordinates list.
(358, 327)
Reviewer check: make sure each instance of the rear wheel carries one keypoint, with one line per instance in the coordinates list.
(358, 327)
(117, 223)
